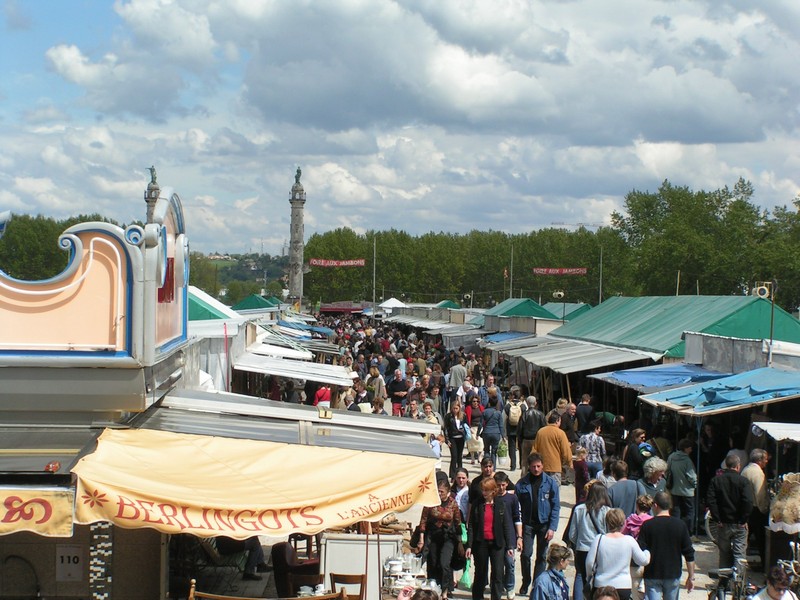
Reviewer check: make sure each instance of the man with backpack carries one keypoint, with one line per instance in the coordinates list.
(513, 410)
(530, 422)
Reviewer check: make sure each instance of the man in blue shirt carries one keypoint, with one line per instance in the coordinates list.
(539, 498)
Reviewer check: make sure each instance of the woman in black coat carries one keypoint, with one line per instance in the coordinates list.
(454, 435)
(492, 548)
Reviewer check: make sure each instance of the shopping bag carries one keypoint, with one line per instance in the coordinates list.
(465, 583)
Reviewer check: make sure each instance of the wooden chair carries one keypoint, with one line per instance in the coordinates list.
(194, 594)
(297, 580)
(285, 562)
(311, 543)
(342, 579)
(340, 595)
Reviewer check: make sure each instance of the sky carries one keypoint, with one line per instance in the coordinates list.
(418, 115)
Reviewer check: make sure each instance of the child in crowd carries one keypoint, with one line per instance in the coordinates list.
(644, 504)
(581, 468)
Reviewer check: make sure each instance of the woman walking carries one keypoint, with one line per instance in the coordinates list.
(588, 521)
(610, 555)
(492, 427)
(454, 435)
(438, 527)
(490, 537)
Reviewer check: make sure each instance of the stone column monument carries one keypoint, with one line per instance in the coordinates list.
(296, 241)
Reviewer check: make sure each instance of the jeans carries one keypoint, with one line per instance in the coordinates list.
(656, 589)
(512, 451)
(490, 443)
(527, 448)
(594, 468)
(732, 544)
(510, 575)
(683, 508)
(531, 534)
(580, 574)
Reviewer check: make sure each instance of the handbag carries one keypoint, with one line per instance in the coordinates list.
(467, 432)
(465, 583)
(589, 583)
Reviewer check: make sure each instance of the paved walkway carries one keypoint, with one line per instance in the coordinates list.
(705, 551)
(706, 555)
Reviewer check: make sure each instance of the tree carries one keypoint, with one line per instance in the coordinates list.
(684, 241)
(29, 248)
(203, 273)
(239, 290)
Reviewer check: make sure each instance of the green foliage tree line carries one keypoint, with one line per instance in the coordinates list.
(671, 241)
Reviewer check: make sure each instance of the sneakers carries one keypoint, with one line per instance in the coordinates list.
(251, 577)
(510, 595)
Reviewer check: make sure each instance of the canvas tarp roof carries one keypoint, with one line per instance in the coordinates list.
(658, 377)
(780, 432)
(217, 464)
(418, 322)
(743, 390)
(203, 306)
(566, 356)
(254, 302)
(566, 310)
(516, 343)
(657, 323)
(448, 304)
(294, 369)
(392, 303)
(519, 307)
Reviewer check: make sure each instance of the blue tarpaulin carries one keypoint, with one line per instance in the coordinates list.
(505, 335)
(743, 390)
(303, 327)
(658, 377)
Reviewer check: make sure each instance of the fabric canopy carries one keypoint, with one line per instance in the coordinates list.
(210, 486)
(46, 511)
(780, 432)
(744, 390)
(295, 369)
(658, 377)
(567, 356)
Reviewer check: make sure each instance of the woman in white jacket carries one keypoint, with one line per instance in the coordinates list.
(610, 555)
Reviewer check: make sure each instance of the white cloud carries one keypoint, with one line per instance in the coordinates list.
(502, 114)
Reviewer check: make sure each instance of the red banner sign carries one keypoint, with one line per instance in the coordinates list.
(559, 271)
(324, 262)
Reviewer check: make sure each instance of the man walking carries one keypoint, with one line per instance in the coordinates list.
(667, 539)
(682, 482)
(585, 415)
(457, 377)
(754, 472)
(730, 500)
(552, 446)
(397, 391)
(531, 422)
(513, 413)
(538, 495)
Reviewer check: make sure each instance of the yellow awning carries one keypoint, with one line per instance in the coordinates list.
(209, 486)
(45, 511)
